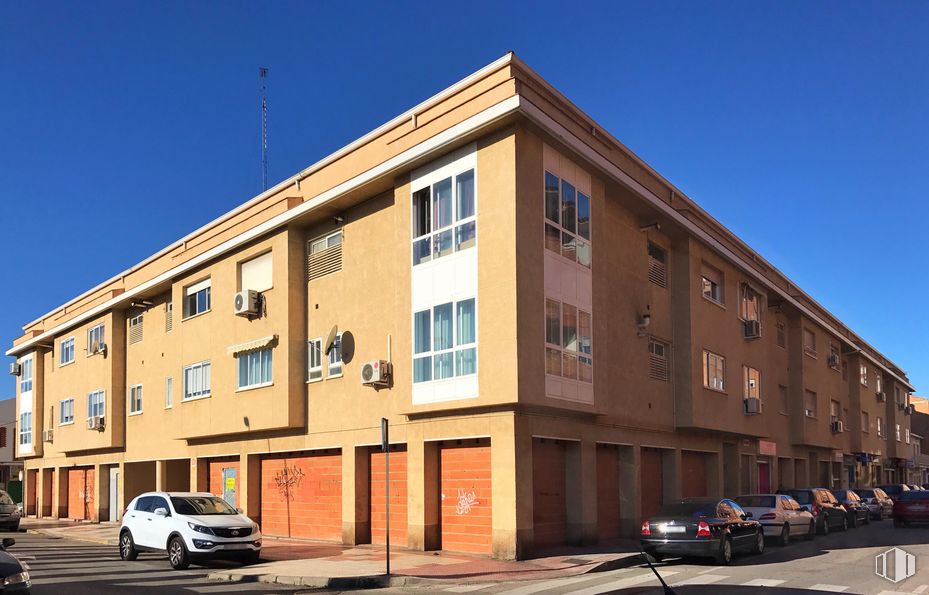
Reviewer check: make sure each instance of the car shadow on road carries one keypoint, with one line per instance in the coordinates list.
(714, 589)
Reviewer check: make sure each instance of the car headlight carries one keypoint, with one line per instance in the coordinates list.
(16, 579)
(200, 528)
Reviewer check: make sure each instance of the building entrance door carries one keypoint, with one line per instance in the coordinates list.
(229, 485)
(764, 477)
(114, 494)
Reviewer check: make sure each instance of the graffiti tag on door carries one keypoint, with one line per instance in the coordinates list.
(466, 501)
(287, 479)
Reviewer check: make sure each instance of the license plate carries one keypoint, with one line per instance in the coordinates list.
(236, 546)
(671, 529)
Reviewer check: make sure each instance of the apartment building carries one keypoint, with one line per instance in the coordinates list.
(559, 338)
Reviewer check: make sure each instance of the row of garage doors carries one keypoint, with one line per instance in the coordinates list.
(301, 494)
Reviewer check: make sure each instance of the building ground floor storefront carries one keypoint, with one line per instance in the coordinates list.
(502, 484)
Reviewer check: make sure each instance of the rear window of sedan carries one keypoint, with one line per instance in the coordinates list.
(847, 495)
(689, 509)
(756, 501)
(801, 497)
(865, 493)
(915, 495)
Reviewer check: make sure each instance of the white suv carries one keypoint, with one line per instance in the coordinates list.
(188, 526)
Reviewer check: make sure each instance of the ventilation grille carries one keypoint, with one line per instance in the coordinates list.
(658, 272)
(324, 262)
(169, 316)
(135, 332)
(658, 367)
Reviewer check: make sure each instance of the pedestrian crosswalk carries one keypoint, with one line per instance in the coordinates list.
(89, 568)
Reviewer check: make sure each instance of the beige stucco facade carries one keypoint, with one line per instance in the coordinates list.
(501, 457)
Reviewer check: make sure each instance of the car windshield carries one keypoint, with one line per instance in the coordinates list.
(801, 497)
(915, 495)
(846, 495)
(892, 489)
(756, 501)
(201, 505)
(866, 493)
(689, 509)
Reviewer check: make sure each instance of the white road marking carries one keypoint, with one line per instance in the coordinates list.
(620, 584)
(763, 582)
(710, 570)
(825, 587)
(703, 579)
(537, 586)
(893, 593)
(468, 588)
(920, 589)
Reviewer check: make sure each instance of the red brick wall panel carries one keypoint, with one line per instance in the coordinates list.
(398, 496)
(81, 493)
(301, 496)
(466, 497)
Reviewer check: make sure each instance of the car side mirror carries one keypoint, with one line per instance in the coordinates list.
(8, 542)
(161, 512)
(747, 515)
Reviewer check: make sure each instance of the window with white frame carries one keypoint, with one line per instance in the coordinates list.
(810, 403)
(135, 328)
(25, 376)
(444, 217)
(445, 341)
(809, 342)
(879, 382)
(96, 336)
(749, 304)
(324, 255)
(906, 435)
(751, 379)
(714, 371)
(865, 422)
(314, 358)
(255, 368)
(657, 265)
(169, 392)
(96, 404)
(568, 341)
(196, 380)
(880, 427)
(897, 431)
(257, 273)
(658, 360)
(25, 428)
(864, 375)
(335, 357)
(66, 352)
(567, 220)
(135, 399)
(197, 298)
(66, 412)
(711, 284)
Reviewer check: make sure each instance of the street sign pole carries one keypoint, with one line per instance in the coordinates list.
(385, 446)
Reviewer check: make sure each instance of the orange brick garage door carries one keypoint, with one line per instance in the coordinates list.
(650, 479)
(80, 493)
(465, 497)
(549, 506)
(398, 499)
(693, 474)
(301, 495)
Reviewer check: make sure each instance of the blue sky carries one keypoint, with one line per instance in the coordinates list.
(803, 127)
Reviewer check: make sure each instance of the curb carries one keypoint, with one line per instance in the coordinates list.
(75, 538)
(325, 582)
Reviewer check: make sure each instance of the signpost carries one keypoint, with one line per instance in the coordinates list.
(385, 446)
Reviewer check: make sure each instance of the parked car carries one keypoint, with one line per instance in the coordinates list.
(857, 510)
(878, 502)
(9, 512)
(780, 516)
(188, 526)
(701, 527)
(911, 507)
(15, 577)
(824, 507)
(915, 487)
(894, 490)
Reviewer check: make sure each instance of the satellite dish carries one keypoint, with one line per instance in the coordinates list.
(331, 338)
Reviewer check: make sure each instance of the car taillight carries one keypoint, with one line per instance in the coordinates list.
(703, 529)
(645, 530)
(815, 509)
(767, 516)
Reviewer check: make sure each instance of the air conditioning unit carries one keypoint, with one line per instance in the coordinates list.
(376, 373)
(833, 361)
(48, 436)
(16, 369)
(901, 406)
(752, 406)
(752, 329)
(909, 409)
(246, 303)
(881, 397)
(96, 423)
(838, 427)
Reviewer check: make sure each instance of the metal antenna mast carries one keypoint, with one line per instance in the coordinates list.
(263, 90)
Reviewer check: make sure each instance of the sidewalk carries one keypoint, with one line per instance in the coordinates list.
(323, 564)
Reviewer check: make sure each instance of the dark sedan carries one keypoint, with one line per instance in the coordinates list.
(15, 578)
(824, 506)
(701, 527)
(857, 510)
(877, 501)
(911, 507)
(894, 490)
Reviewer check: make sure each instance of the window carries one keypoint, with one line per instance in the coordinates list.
(96, 404)
(809, 342)
(568, 341)
(865, 422)
(714, 371)
(325, 255)
(443, 218)
(880, 427)
(784, 399)
(314, 359)
(169, 315)
(66, 352)
(255, 368)
(335, 357)
(135, 399)
(66, 412)
(781, 334)
(135, 329)
(567, 220)
(751, 379)
(25, 376)
(169, 392)
(3, 437)
(25, 428)
(844, 369)
(658, 367)
(95, 337)
(712, 284)
(197, 298)
(897, 431)
(657, 265)
(256, 273)
(445, 341)
(833, 360)
(810, 405)
(906, 434)
(197, 380)
(864, 375)
(834, 411)
(879, 382)
(750, 304)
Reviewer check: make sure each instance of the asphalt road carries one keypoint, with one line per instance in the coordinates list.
(67, 567)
